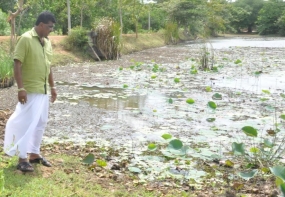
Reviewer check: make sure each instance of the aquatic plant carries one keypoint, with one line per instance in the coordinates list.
(206, 56)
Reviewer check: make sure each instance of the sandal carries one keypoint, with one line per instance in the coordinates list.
(41, 160)
(25, 167)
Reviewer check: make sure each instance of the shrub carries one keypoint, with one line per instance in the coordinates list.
(4, 26)
(171, 33)
(77, 39)
(6, 68)
(108, 38)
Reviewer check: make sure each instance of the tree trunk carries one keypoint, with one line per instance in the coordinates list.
(121, 17)
(81, 17)
(68, 17)
(249, 29)
(149, 20)
(12, 21)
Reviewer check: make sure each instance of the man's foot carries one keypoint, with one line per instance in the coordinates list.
(41, 160)
(25, 166)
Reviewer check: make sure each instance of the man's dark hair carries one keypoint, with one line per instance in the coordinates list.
(45, 17)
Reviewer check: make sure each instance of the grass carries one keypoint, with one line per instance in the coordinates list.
(6, 66)
(144, 41)
(130, 44)
(68, 177)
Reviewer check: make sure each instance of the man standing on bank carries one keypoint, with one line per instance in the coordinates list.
(32, 71)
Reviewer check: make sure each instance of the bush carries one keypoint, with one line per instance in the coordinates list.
(77, 40)
(4, 25)
(171, 33)
(281, 24)
(6, 66)
(108, 38)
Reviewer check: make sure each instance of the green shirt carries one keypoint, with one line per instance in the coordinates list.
(35, 60)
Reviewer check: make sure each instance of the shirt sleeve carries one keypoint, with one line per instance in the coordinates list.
(21, 49)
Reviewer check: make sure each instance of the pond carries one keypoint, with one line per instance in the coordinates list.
(134, 102)
(148, 96)
(269, 42)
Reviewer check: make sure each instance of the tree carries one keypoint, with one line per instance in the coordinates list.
(269, 16)
(6, 5)
(189, 14)
(281, 24)
(252, 7)
(85, 9)
(12, 20)
(238, 15)
(219, 15)
(68, 17)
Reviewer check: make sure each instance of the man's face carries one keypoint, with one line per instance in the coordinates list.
(47, 28)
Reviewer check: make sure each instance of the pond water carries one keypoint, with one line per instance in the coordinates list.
(220, 43)
(148, 99)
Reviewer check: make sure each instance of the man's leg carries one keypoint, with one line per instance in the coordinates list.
(36, 137)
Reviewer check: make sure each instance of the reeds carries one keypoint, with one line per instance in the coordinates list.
(108, 38)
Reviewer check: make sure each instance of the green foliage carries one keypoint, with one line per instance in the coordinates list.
(249, 131)
(4, 25)
(249, 174)
(89, 159)
(206, 56)
(212, 105)
(238, 61)
(101, 163)
(268, 17)
(152, 147)
(208, 89)
(157, 17)
(166, 136)
(217, 96)
(218, 17)
(190, 15)
(108, 39)
(281, 24)
(250, 9)
(5, 162)
(190, 101)
(77, 40)
(175, 144)
(171, 34)
(176, 80)
(238, 148)
(6, 66)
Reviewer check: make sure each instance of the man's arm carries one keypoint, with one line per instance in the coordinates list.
(53, 89)
(22, 94)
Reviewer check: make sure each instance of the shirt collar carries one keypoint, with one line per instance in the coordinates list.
(34, 33)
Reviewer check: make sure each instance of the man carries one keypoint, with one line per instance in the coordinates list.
(32, 72)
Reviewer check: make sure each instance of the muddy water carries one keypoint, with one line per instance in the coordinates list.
(127, 102)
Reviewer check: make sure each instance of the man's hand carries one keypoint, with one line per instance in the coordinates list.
(53, 95)
(22, 97)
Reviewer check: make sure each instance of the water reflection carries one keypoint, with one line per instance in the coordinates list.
(109, 98)
(273, 82)
(219, 43)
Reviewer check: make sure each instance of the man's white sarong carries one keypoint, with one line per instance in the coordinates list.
(25, 127)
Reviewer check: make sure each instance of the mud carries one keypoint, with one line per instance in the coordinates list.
(126, 103)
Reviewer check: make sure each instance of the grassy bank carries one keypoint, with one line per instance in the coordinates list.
(144, 41)
(130, 44)
(68, 177)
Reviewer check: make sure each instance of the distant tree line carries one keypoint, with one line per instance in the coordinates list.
(196, 17)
